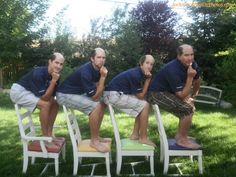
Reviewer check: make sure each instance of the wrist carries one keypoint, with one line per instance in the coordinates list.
(53, 82)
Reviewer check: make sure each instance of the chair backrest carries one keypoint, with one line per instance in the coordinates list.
(26, 125)
(161, 129)
(73, 127)
(115, 128)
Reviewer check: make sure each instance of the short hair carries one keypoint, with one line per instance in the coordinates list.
(94, 52)
(55, 55)
(142, 59)
(179, 50)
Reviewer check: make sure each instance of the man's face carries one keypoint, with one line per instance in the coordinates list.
(56, 65)
(148, 64)
(99, 60)
(187, 56)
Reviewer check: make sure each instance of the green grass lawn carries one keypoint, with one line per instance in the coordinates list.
(213, 127)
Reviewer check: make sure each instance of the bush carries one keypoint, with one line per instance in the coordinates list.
(227, 77)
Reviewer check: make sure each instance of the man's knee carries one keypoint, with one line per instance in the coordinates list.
(42, 104)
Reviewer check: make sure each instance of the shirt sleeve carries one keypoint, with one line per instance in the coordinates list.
(135, 84)
(39, 83)
(88, 85)
(174, 82)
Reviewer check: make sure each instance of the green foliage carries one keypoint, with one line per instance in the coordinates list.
(227, 74)
(212, 31)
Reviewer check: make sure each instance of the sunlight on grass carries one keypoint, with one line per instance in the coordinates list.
(213, 127)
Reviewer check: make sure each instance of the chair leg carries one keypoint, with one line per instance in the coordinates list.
(32, 160)
(108, 164)
(110, 157)
(118, 165)
(152, 165)
(76, 163)
(64, 152)
(161, 154)
(191, 158)
(25, 163)
(166, 164)
(56, 166)
(200, 164)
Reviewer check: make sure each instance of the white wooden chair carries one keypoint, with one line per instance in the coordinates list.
(127, 147)
(81, 148)
(33, 145)
(168, 147)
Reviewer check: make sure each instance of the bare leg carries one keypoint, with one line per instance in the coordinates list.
(143, 117)
(101, 115)
(135, 133)
(95, 119)
(52, 116)
(44, 107)
(182, 133)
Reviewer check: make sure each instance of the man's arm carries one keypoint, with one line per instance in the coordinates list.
(196, 87)
(100, 85)
(145, 88)
(188, 85)
(49, 92)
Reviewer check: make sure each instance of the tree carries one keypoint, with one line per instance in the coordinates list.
(156, 22)
(18, 19)
(212, 32)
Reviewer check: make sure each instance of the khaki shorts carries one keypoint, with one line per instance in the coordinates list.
(23, 97)
(129, 104)
(171, 103)
(82, 103)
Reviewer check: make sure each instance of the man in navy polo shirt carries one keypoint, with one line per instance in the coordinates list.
(171, 89)
(83, 89)
(127, 92)
(37, 89)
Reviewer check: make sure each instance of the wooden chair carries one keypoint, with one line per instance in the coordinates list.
(127, 147)
(168, 147)
(81, 148)
(33, 145)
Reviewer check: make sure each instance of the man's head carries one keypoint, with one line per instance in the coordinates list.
(55, 62)
(98, 58)
(185, 54)
(146, 63)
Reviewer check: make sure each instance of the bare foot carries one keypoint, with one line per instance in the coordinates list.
(189, 138)
(148, 142)
(134, 137)
(50, 145)
(188, 144)
(104, 140)
(99, 146)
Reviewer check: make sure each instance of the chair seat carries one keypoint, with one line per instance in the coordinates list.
(128, 144)
(59, 141)
(174, 146)
(84, 145)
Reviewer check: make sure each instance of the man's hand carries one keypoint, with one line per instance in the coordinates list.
(103, 71)
(147, 74)
(190, 101)
(55, 76)
(191, 72)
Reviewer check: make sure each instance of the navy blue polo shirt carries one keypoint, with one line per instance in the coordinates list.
(128, 82)
(37, 81)
(82, 80)
(172, 77)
